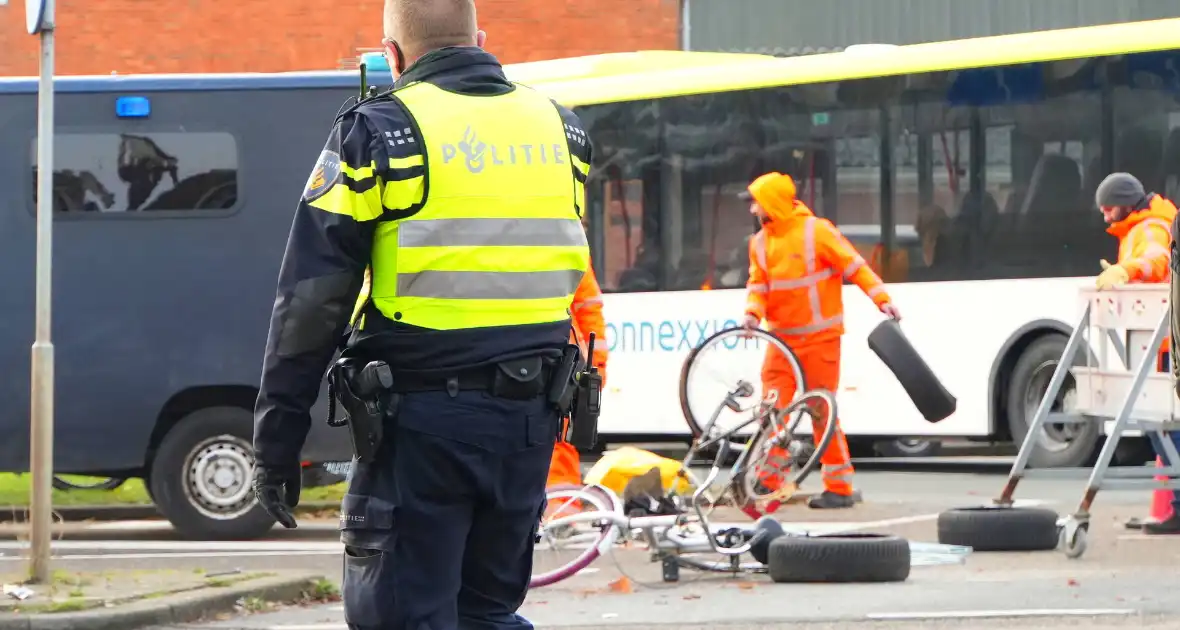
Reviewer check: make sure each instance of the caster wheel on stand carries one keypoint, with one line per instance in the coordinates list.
(1074, 536)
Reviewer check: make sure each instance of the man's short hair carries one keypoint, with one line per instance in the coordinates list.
(425, 25)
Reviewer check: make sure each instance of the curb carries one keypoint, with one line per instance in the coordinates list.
(171, 609)
(130, 512)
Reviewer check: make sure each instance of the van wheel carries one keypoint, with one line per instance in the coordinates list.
(1059, 445)
(201, 477)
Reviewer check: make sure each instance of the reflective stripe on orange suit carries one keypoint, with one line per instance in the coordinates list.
(798, 263)
(1145, 242)
(566, 466)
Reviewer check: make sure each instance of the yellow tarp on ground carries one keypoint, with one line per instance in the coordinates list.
(619, 466)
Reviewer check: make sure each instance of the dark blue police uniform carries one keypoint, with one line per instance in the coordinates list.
(439, 527)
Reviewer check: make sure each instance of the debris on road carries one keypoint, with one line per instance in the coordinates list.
(17, 591)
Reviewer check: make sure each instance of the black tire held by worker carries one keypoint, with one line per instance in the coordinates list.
(897, 353)
(201, 476)
(852, 557)
(766, 531)
(991, 528)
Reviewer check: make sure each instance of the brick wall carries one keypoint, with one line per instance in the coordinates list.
(134, 36)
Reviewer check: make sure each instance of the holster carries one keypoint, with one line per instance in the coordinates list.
(561, 387)
(365, 413)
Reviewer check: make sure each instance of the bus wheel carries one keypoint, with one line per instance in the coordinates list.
(908, 447)
(1059, 445)
(201, 476)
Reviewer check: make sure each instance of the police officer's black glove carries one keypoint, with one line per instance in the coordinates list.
(277, 489)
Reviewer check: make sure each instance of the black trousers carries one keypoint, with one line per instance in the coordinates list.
(439, 530)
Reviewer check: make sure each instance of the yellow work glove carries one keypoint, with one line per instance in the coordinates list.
(1111, 276)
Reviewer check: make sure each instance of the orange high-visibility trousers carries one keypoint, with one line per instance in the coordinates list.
(821, 369)
(566, 465)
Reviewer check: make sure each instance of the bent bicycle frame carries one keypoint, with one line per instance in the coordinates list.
(666, 535)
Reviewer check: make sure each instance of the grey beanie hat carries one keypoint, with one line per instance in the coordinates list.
(1120, 190)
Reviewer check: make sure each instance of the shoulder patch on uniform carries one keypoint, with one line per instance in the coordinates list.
(326, 174)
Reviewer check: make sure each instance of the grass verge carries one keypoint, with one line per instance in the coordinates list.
(14, 491)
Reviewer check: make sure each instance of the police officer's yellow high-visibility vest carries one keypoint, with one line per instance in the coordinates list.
(498, 241)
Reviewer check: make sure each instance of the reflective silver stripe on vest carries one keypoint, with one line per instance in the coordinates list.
(760, 251)
(1154, 221)
(491, 232)
(810, 280)
(489, 285)
(810, 259)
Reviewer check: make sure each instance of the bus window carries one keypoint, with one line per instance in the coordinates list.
(1147, 120)
(97, 173)
(629, 257)
(1046, 226)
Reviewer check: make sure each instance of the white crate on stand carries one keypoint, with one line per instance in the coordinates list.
(1132, 313)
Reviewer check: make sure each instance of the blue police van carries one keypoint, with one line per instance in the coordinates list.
(172, 198)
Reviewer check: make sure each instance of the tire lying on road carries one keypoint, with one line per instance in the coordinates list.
(994, 528)
(853, 557)
(889, 343)
(201, 476)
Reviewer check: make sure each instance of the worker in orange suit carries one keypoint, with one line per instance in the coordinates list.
(798, 263)
(566, 466)
(1142, 222)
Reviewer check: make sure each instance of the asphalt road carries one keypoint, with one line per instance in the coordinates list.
(1124, 580)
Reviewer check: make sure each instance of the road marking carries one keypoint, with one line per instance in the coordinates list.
(180, 554)
(840, 527)
(979, 614)
(129, 526)
(182, 545)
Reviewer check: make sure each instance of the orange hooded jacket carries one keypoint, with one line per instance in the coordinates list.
(798, 263)
(565, 466)
(587, 314)
(1145, 240)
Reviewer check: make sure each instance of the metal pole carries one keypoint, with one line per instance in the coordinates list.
(41, 433)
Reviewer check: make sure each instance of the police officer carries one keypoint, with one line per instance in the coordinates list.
(462, 192)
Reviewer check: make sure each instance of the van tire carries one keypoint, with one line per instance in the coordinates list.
(1029, 381)
(201, 477)
(889, 343)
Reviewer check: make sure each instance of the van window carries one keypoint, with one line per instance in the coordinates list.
(142, 172)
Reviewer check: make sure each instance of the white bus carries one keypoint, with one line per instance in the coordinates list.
(964, 171)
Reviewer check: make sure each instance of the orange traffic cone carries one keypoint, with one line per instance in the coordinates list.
(1161, 503)
(1161, 499)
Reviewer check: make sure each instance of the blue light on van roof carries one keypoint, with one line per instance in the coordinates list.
(133, 107)
(375, 62)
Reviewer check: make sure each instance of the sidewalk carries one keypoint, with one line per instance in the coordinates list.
(128, 599)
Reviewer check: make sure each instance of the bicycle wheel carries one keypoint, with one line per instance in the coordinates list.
(731, 361)
(569, 547)
(778, 454)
